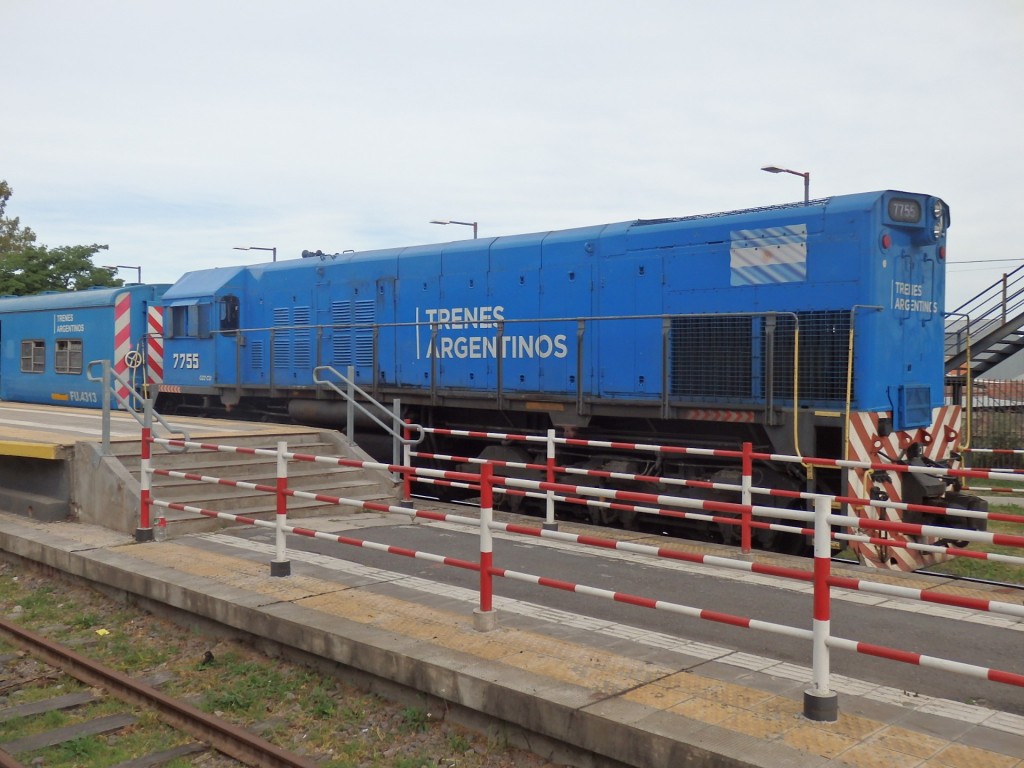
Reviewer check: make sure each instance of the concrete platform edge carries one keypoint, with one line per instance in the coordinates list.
(527, 701)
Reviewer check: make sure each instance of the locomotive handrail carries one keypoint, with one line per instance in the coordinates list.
(107, 373)
(348, 395)
(578, 391)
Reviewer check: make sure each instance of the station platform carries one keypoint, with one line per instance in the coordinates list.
(51, 432)
(576, 690)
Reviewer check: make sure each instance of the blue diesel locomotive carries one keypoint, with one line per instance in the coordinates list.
(47, 342)
(807, 329)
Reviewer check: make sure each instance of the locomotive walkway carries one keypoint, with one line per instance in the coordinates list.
(578, 690)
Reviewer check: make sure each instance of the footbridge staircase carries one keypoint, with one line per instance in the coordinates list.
(986, 330)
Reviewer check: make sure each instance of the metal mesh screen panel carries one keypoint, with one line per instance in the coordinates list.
(738, 358)
(712, 359)
(824, 341)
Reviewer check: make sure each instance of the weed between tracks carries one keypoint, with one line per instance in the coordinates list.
(294, 707)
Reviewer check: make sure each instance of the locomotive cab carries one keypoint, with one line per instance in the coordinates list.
(202, 318)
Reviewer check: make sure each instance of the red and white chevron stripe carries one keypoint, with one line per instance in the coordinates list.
(719, 414)
(155, 346)
(122, 338)
(866, 445)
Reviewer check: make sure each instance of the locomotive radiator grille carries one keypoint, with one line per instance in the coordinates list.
(737, 358)
(352, 339)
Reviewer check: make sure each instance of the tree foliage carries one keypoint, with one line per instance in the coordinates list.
(12, 235)
(27, 268)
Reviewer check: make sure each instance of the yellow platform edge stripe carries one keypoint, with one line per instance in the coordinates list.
(29, 450)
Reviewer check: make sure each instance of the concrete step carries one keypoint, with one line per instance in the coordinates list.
(180, 523)
(313, 443)
(312, 477)
(195, 493)
(36, 506)
(237, 466)
(251, 473)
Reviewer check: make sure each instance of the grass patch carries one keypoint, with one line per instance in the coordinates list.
(458, 743)
(249, 685)
(129, 653)
(41, 605)
(987, 569)
(415, 720)
(420, 761)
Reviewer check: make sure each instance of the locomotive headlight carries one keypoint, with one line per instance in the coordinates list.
(939, 220)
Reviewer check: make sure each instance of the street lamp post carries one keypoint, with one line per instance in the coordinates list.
(463, 223)
(257, 248)
(806, 176)
(116, 267)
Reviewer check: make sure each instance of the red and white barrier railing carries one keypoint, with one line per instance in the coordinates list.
(743, 518)
(747, 457)
(819, 701)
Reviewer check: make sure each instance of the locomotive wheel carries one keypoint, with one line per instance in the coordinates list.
(603, 516)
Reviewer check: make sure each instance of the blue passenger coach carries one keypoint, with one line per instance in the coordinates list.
(47, 342)
(812, 329)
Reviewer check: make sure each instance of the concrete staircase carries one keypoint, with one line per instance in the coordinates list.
(347, 482)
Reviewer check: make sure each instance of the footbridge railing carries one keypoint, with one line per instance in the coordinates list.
(984, 320)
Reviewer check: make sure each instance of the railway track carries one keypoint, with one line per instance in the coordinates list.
(197, 731)
(328, 715)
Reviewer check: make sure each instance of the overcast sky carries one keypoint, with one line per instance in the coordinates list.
(176, 131)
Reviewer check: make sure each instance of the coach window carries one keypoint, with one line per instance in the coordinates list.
(33, 356)
(67, 356)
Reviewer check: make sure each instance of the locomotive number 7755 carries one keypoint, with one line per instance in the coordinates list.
(186, 359)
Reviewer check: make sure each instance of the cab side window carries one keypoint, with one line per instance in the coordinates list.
(189, 320)
(229, 313)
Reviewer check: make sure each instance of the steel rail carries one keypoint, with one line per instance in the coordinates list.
(232, 740)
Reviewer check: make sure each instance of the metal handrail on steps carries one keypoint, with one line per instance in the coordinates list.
(113, 383)
(396, 428)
